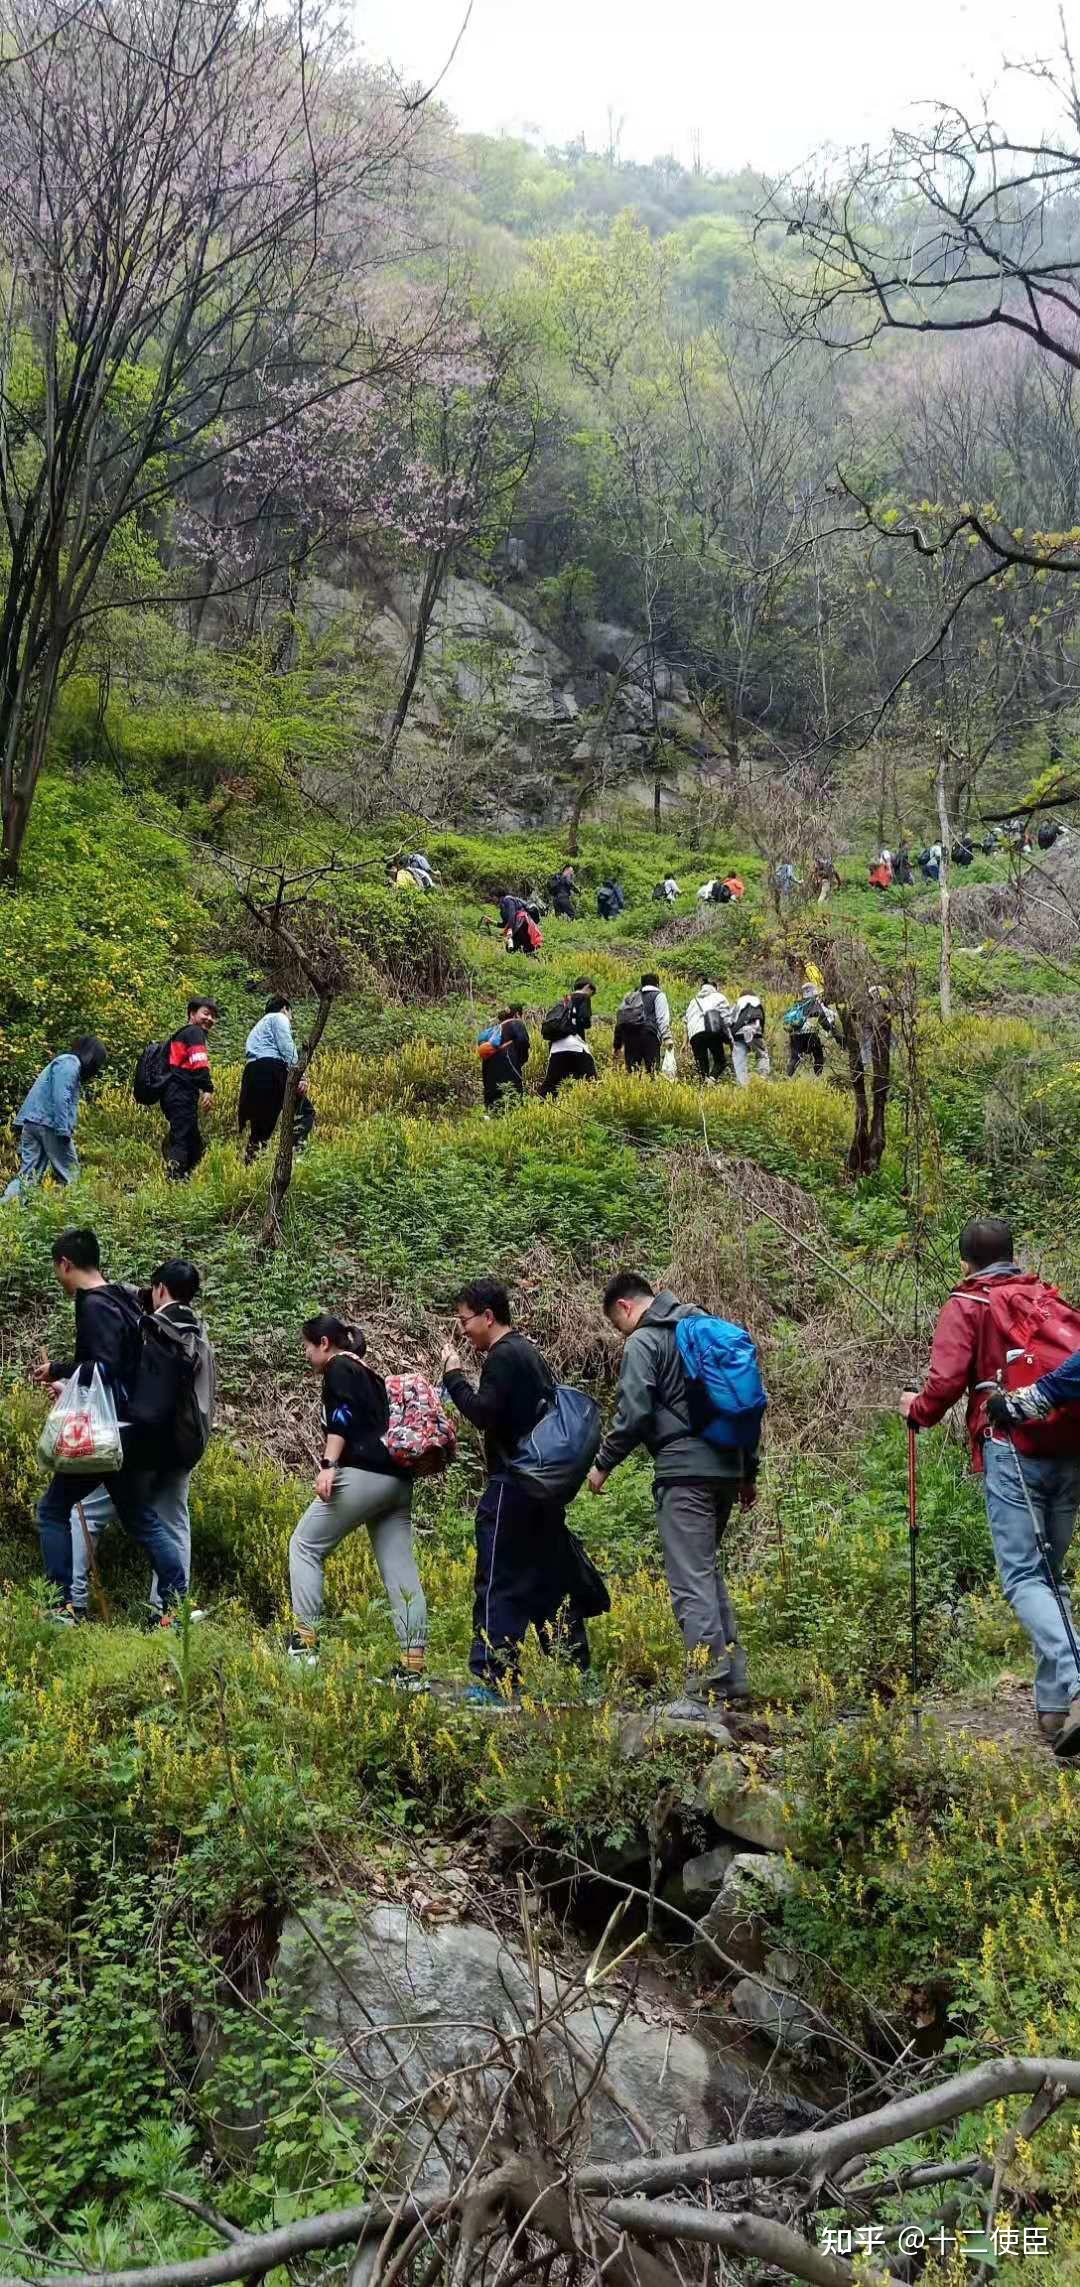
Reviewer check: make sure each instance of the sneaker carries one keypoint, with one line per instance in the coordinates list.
(303, 1650)
(1067, 1742)
(481, 1695)
(61, 1615)
(408, 1679)
(1050, 1721)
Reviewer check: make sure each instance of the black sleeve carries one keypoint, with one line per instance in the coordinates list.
(102, 1336)
(485, 1407)
(350, 1402)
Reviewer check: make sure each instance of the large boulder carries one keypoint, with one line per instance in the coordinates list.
(779, 2015)
(427, 2023)
(752, 1811)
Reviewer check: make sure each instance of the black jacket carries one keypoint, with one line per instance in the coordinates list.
(354, 1406)
(515, 1390)
(107, 1335)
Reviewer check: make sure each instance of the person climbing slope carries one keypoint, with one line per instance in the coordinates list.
(46, 1117)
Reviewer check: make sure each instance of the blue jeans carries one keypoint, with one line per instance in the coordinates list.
(165, 1490)
(39, 1150)
(138, 1517)
(1054, 1486)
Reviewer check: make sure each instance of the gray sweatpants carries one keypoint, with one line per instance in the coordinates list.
(742, 1051)
(692, 1516)
(384, 1505)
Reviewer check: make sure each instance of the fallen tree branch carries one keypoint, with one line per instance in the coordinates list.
(741, 2233)
(820, 2150)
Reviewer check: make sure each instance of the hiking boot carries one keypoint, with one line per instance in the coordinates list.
(302, 1649)
(1050, 1721)
(402, 1678)
(61, 1615)
(1067, 1742)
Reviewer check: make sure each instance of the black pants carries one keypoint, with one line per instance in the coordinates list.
(708, 1050)
(502, 1080)
(641, 1048)
(262, 1094)
(183, 1146)
(802, 1044)
(567, 1064)
(524, 1570)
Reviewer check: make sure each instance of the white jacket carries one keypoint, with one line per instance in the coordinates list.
(708, 997)
(748, 1017)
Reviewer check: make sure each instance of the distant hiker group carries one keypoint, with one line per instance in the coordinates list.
(725, 1036)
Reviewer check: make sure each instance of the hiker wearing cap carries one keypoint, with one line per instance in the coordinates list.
(699, 1474)
(806, 1021)
(1030, 1470)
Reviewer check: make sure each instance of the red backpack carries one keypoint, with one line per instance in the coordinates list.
(1037, 1330)
(419, 1435)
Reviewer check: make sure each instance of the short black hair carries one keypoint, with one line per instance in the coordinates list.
(79, 1246)
(584, 985)
(92, 1054)
(179, 1276)
(626, 1286)
(202, 1001)
(276, 1003)
(650, 978)
(515, 1008)
(987, 1241)
(485, 1294)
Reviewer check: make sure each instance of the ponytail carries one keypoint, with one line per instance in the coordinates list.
(324, 1327)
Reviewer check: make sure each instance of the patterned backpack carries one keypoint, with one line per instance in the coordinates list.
(419, 1436)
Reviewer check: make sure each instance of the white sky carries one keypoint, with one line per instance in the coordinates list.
(763, 82)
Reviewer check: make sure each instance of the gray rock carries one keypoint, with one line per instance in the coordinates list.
(780, 2016)
(753, 1880)
(684, 1719)
(753, 1813)
(406, 2006)
(703, 1876)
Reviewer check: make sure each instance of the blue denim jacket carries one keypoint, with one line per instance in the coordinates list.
(53, 1101)
(272, 1036)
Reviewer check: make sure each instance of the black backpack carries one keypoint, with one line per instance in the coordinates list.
(559, 1021)
(151, 1073)
(163, 1398)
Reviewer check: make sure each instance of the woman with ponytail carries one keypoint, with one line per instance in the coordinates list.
(358, 1483)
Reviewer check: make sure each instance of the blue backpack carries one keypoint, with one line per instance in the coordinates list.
(553, 1461)
(726, 1394)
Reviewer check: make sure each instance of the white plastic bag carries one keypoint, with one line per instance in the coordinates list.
(668, 1067)
(81, 1436)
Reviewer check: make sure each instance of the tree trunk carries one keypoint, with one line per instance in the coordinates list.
(270, 1234)
(945, 968)
(429, 596)
(881, 1041)
(25, 776)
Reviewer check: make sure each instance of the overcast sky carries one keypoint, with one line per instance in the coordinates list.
(761, 84)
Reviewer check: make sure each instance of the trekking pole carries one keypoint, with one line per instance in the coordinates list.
(913, 1538)
(91, 1560)
(1043, 1547)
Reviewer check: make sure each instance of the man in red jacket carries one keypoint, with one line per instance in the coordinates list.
(188, 1088)
(969, 1349)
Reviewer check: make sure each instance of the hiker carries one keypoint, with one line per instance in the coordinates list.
(929, 862)
(610, 899)
(643, 1026)
(358, 1483)
(806, 1021)
(735, 887)
(108, 1335)
(666, 891)
(270, 1055)
(503, 1067)
(825, 879)
(786, 879)
(962, 852)
(187, 1088)
(902, 872)
(562, 890)
(46, 1118)
(714, 892)
(526, 1562)
(165, 1483)
(1049, 832)
(708, 1020)
(524, 935)
(881, 872)
(696, 1482)
(1031, 1473)
(420, 868)
(565, 1026)
(401, 876)
(747, 1022)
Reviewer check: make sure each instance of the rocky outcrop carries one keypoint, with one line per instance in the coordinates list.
(427, 2025)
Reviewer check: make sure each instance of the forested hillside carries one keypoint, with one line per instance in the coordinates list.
(391, 518)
